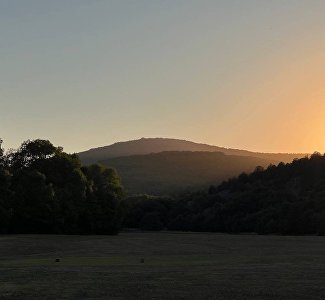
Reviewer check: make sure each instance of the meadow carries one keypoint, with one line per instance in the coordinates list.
(162, 265)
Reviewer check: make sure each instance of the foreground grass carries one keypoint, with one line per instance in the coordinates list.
(176, 266)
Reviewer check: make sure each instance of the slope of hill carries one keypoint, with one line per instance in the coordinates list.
(155, 145)
(169, 172)
(286, 199)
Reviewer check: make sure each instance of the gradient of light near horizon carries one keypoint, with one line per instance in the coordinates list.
(244, 74)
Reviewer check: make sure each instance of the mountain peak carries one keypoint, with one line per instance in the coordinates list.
(146, 145)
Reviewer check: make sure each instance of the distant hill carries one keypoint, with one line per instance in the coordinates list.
(164, 166)
(156, 145)
(171, 172)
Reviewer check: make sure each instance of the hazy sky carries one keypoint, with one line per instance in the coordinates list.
(235, 73)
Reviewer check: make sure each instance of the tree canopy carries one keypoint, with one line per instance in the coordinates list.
(45, 190)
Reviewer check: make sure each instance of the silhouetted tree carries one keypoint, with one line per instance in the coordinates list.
(43, 189)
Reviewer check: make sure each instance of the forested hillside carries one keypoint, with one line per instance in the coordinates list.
(167, 173)
(285, 199)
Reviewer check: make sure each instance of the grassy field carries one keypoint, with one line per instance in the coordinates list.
(176, 266)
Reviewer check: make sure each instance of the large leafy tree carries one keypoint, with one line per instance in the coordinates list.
(43, 189)
(34, 203)
(31, 152)
(105, 194)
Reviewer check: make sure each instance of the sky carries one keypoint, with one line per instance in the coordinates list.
(246, 74)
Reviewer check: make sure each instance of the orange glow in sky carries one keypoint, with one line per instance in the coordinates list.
(242, 74)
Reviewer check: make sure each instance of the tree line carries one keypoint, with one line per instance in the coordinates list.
(45, 190)
(283, 199)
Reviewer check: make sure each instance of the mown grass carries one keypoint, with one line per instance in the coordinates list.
(176, 266)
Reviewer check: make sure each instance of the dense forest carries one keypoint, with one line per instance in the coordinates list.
(283, 199)
(45, 190)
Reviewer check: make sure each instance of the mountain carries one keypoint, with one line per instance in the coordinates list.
(164, 166)
(155, 145)
(171, 172)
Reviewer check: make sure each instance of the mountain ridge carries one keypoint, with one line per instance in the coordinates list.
(155, 145)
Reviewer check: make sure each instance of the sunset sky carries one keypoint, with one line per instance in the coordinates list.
(247, 74)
